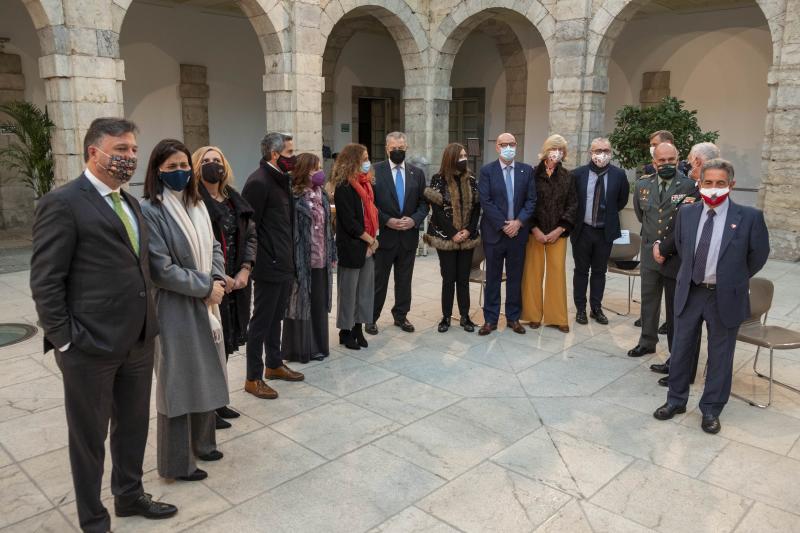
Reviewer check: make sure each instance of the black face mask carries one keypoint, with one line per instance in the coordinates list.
(667, 172)
(397, 156)
(461, 165)
(287, 163)
(213, 172)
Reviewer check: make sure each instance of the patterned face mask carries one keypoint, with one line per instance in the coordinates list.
(555, 156)
(120, 167)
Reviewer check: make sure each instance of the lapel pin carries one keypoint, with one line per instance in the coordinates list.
(733, 226)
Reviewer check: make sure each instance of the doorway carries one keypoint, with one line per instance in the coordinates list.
(376, 112)
(467, 116)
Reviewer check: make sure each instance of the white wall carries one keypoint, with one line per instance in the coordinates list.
(156, 40)
(367, 60)
(16, 24)
(718, 63)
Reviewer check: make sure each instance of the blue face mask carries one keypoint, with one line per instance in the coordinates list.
(177, 180)
(508, 153)
(365, 166)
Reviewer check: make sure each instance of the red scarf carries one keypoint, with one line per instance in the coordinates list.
(363, 186)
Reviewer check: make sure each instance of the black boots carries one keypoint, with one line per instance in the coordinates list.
(358, 335)
(346, 338)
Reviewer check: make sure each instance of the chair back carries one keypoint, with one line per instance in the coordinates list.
(761, 292)
(478, 255)
(627, 252)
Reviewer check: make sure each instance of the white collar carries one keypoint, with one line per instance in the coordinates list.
(503, 165)
(720, 210)
(101, 187)
(401, 165)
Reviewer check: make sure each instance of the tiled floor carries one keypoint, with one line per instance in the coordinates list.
(444, 432)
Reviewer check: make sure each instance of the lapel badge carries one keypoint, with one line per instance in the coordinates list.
(733, 226)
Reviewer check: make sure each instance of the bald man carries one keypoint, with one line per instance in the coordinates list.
(655, 202)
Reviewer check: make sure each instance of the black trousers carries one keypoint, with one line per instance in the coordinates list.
(264, 334)
(455, 266)
(590, 251)
(98, 390)
(403, 262)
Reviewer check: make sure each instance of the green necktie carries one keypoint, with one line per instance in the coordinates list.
(123, 216)
(663, 190)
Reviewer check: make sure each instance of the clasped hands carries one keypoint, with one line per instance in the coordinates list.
(511, 228)
(401, 224)
(548, 238)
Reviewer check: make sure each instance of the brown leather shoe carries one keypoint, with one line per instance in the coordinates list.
(563, 329)
(260, 389)
(535, 325)
(516, 327)
(283, 372)
(486, 329)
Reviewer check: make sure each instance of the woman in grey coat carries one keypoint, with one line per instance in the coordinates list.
(187, 269)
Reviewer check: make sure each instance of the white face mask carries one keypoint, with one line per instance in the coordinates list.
(713, 196)
(601, 160)
(555, 155)
(652, 151)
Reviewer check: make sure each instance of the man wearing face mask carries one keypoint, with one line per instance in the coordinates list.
(268, 193)
(665, 251)
(721, 245)
(664, 136)
(507, 190)
(90, 280)
(602, 194)
(287, 159)
(400, 199)
(655, 202)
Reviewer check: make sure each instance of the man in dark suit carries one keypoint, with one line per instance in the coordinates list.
(665, 252)
(721, 245)
(268, 192)
(90, 281)
(399, 197)
(507, 190)
(602, 194)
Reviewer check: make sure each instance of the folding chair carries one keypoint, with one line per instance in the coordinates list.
(628, 253)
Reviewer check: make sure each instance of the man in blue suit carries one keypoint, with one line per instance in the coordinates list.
(602, 194)
(507, 191)
(721, 245)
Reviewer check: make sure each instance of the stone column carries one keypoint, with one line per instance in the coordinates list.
(427, 109)
(194, 106)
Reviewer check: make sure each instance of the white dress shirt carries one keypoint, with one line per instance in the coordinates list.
(716, 238)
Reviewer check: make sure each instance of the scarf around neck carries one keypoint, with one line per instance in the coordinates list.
(363, 186)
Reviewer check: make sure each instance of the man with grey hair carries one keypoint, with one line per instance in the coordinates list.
(666, 253)
(402, 208)
(268, 192)
(722, 245)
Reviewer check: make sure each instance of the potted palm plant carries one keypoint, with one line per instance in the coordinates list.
(29, 153)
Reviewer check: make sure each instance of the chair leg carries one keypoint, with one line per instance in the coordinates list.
(630, 297)
(769, 378)
(773, 380)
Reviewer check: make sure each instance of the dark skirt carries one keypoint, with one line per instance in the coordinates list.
(304, 339)
(235, 335)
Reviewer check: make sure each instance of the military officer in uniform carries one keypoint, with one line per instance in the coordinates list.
(655, 201)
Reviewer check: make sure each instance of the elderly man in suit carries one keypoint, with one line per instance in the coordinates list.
(507, 190)
(721, 245)
(402, 208)
(90, 281)
(602, 194)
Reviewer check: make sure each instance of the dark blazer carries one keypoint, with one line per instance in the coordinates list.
(90, 288)
(617, 196)
(267, 192)
(668, 248)
(386, 201)
(494, 201)
(556, 200)
(743, 252)
(350, 248)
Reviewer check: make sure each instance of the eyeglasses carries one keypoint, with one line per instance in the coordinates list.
(507, 145)
(603, 151)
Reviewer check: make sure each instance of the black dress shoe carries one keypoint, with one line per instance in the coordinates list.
(405, 325)
(346, 338)
(444, 325)
(197, 475)
(372, 329)
(640, 351)
(145, 506)
(358, 335)
(710, 424)
(667, 411)
(227, 412)
(467, 324)
(221, 423)
(662, 329)
(660, 368)
(581, 318)
(599, 316)
(638, 323)
(214, 455)
(664, 382)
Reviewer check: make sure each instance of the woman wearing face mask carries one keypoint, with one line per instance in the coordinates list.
(453, 230)
(187, 267)
(234, 229)
(544, 279)
(305, 329)
(356, 228)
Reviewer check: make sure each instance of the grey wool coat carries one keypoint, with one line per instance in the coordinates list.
(300, 298)
(190, 373)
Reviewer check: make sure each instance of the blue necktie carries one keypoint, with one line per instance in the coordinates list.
(509, 193)
(400, 185)
(701, 254)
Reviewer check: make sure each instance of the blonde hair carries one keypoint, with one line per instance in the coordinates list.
(197, 167)
(554, 142)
